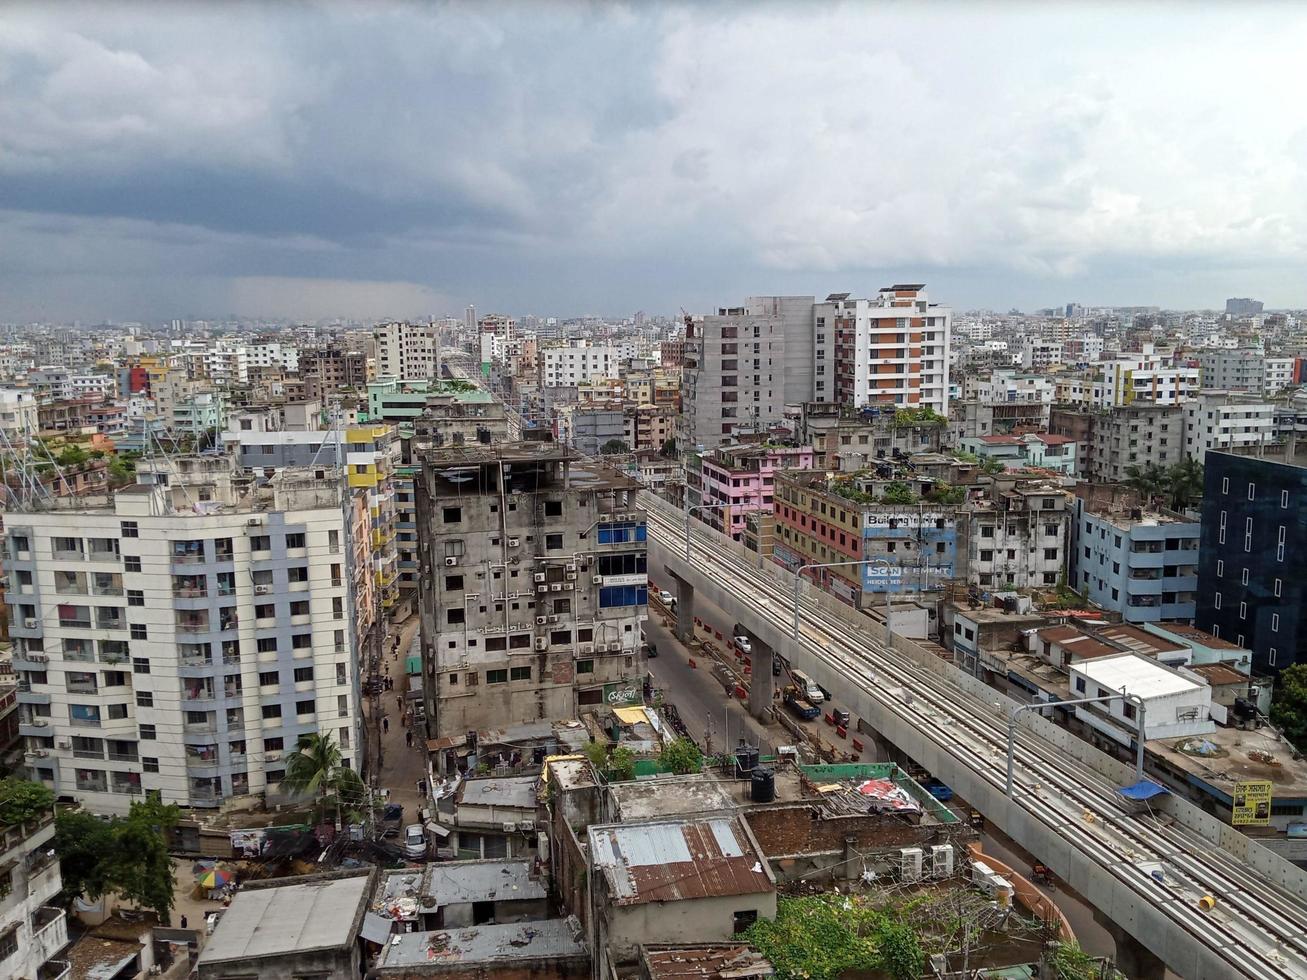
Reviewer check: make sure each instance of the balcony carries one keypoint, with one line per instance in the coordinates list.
(55, 970)
(82, 687)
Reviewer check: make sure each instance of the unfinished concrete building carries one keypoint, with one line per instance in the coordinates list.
(533, 584)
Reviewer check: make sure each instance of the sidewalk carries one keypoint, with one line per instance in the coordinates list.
(401, 766)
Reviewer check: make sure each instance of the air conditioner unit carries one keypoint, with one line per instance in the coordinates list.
(262, 589)
(542, 588)
(509, 826)
(541, 620)
(571, 576)
(64, 743)
(31, 623)
(526, 825)
(271, 756)
(254, 522)
(596, 580)
(587, 648)
(941, 860)
(538, 577)
(570, 568)
(910, 864)
(556, 587)
(542, 643)
(553, 619)
(37, 753)
(451, 561)
(42, 658)
(514, 542)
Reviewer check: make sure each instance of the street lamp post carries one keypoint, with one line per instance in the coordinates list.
(1134, 699)
(798, 576)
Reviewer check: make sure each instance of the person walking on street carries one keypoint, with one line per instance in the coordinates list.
(385, 725)
(408, 737)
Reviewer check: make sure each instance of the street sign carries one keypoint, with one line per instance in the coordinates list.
(1252, 803)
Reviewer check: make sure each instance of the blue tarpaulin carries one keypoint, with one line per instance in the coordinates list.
(1145, 789)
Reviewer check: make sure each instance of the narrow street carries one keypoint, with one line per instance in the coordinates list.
(401, 766)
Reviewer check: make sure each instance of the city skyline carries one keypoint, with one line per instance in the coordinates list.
(400, 161)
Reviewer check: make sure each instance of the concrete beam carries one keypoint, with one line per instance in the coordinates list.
(760, 680)
(684, 608)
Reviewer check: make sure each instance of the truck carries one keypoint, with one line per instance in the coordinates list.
(800, 705)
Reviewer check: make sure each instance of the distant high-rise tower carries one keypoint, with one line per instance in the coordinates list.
(470, 318)
(1242, 306)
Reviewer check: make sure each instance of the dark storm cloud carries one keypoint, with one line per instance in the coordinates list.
(561, 157)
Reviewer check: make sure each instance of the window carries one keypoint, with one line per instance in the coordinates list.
(135, 597)
(298, 573)
(585, 666)
(1220, 568)
(301, 641)
(1216, 601)
(1252, 490)
(267, 644)
(304, 707)
(273, 744)
(1275, 622)
(301, 608)
(139, 632)
(269, 678)
(1129, 710)
(1277, 588)
(623, 595)
(129, 529)
(260, 542)
(452, 515)
(1225, 484)
(295, 540)
(560, 637)
(454, 616)
(131, 563)
(744, 919)
(271, 711)
(149, 764)
(496, 676)
(553, 508)
(553, 542)
(1243, 610)
(519, 674)
(140, 665)
(144, 699)
(453, 583)
(303, 674)
(146, 732)
(1080, 685)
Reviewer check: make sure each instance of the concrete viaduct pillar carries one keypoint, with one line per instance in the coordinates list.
(684, 609)
(760, 681)
(1133, 958)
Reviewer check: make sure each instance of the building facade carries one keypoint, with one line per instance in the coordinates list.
(1226, 420)
(182, 639)
(532, 587)
(1252, 570)
(408, 350)
(33, 925)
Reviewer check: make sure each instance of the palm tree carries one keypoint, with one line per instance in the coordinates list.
(1184, 483)
(1150, 480)
(316, 769)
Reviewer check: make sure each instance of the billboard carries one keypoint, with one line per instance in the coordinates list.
(1252, 804)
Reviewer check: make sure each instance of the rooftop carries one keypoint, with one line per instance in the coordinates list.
(461, 882)
(696, 794)
(1136, 675)
(299, 916)
(711, 961)
(456, 948)
(1140, 640)
(1227, 756)
(1219, 675)
(660, 862)
(1201, 637)
(514, 791)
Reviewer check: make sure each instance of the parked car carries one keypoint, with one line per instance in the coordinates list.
(415, 841)
(653, 649)
(392, 819)
(743, 643)
(666, 598)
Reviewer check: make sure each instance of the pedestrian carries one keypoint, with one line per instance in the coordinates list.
(385, 725)
(408, 737)
(183, 922)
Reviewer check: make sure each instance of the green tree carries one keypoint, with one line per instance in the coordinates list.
(991, 467)
(669, 448)
(897, 492)
(613, 447)
(315, 769)
(681, 757)
(1289, 709)
(1149, 480)
(122, 470)
(1184, 484)
(22, 799)
(597, 753)
(899, 950)
(127, 856)
(72, 456)
(621, 764)
(84, 844)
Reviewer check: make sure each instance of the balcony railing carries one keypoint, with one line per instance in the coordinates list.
(124, 757)
(190, 592)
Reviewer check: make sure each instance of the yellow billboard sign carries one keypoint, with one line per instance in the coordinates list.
(1252, 803)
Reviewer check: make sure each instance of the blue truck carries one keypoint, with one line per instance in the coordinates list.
(800, 705)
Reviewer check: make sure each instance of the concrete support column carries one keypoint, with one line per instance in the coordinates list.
(760, 681)
(684, 610)
(1133, 958)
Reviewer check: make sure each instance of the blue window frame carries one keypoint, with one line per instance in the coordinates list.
(622, 532)
(623, 595)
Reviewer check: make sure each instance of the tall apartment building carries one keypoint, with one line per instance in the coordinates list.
(1252, 568)
(567, 367)
(1145, 377)
(1142, 564)
(1247, 369)
(1134, 435)
(742, 366)
(891, 350)
(33, 925)
(1226, 420)
(408, 350)
(739, 480)
(532, 586)
(1017, 537)
(327, 370)
(1242, 306)
(182, 638)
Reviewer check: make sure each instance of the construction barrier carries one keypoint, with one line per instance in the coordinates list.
(842, 732)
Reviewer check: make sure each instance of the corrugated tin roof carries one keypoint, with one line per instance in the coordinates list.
(662, 862)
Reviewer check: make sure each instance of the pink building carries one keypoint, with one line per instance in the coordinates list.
(741, 477)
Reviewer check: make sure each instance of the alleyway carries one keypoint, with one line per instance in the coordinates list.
(401, 766)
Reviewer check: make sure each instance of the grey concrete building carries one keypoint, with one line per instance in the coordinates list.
(532, 584)
(1241, 369)
(594, 426)
(1134, 435)
(741, 368)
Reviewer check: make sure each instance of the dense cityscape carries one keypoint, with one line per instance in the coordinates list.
(370, 611)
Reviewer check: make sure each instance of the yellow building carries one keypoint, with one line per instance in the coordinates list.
(371, 452)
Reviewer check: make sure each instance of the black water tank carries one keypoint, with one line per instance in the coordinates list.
(746, 761)
(763, 788)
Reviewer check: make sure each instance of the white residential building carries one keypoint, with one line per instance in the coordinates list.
(33, 926)
(181, 638)
(1177, 702)
(889, 351)
(567, 367)
(1278, 374)
(1226, 420)
(1141, 377)
(407, 350)
(270, 353)
(18, 415)
(1039, 355)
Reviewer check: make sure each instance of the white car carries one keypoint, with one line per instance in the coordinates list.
(415, 841)
(743, 643)
(666, 598)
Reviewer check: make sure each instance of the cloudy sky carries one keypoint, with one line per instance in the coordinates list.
(304, 160)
